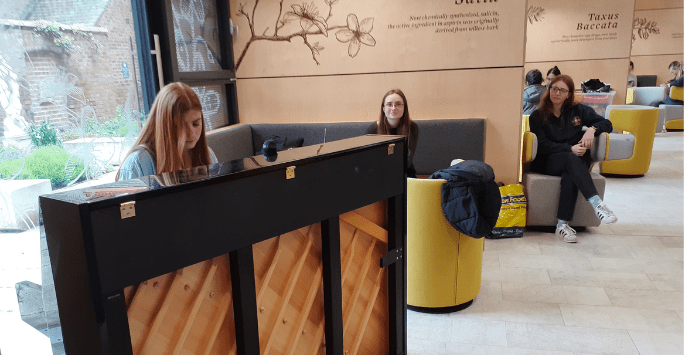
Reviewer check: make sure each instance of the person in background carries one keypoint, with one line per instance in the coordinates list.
(552, 73)
(676, 68)
(394, 119)
(173, 138)
(533, 92)
(563, 150)
(631, 78)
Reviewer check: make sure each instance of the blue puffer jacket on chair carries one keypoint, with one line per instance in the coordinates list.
(471, 200)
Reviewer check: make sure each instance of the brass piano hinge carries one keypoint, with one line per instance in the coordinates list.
(390, 149)
(289, 172)
(127, 209)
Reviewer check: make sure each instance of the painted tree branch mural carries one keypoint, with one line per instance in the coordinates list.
(644, 28)
(311, 24)
(535, 14)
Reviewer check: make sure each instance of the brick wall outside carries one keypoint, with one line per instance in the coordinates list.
(95, 79)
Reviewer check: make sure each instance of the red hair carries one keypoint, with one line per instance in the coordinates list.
(161, 133)
(546, 106)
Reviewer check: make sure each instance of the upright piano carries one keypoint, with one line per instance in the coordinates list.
(300, 252)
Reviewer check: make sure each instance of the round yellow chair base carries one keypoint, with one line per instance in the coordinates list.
(436, 310)
(444, 267)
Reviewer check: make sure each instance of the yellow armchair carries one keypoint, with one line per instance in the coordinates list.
(641, 122)
(444, 267)
(675, 123)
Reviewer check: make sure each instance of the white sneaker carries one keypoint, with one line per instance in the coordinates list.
(568, 234)
(605, 214)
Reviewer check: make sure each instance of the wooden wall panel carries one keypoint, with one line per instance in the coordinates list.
(658, 32)
(399, 35)
(559, 30)
(657, 4)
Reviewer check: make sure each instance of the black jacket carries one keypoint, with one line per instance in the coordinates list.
(470, 197)
(559, 134)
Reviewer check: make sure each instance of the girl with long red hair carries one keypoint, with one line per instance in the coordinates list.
(173, 137)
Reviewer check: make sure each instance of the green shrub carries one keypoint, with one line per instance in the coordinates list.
(9, 168)
(43, 136)
(49, 163)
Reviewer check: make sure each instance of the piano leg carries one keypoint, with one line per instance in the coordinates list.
(244, 301)
(332, 285)
(115, 334)
(396, 278)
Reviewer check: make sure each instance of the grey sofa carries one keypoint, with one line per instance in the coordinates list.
(439, 142)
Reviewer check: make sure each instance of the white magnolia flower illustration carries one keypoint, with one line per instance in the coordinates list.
(308, 17)
(356, 34)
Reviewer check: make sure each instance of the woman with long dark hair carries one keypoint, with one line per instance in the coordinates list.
(395, 119)
(173, 137)
(563, 150)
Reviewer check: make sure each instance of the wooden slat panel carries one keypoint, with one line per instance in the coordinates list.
(195, 306)
(150, 343)
(365, 225)
(269, 273)
(292, 281)
(357, 288)
(313, 291)
(369, 310)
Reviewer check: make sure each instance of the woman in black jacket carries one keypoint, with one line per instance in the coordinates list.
(563, 150)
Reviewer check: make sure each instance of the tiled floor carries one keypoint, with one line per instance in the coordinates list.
(617, 291)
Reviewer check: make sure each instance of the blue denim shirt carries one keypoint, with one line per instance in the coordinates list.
(141, 163)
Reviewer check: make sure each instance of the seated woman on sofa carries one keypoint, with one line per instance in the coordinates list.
(395, 120)
(533, 92)
(676, 68)
(563, 150)
(173, 137)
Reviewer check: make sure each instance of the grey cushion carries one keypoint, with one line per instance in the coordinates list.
(616, 146)
(232, 142)
(648, 95)
(543, 194)
(444, 140)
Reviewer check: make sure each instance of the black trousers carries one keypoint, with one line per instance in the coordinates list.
(574, 173)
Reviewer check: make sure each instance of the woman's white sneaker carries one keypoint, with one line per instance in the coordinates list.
(568, 234)
(605, 214)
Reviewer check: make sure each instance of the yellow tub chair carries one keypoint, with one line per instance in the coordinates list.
(674, 119)
(444, 267)
(641, 122)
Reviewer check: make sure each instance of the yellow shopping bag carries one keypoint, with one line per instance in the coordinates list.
(511, 222)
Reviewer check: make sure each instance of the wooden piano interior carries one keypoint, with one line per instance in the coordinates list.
(190, 311)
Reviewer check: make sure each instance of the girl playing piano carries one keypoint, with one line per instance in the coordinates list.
(173, 137)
